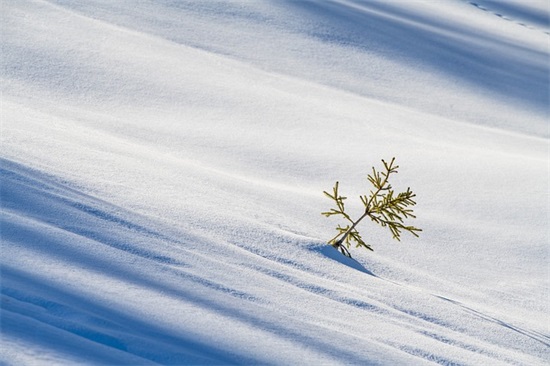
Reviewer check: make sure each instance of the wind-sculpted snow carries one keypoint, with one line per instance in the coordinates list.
(457, 59)
(86, 282)
(162, 167)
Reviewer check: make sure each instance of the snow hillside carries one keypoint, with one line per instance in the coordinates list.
(163, 162)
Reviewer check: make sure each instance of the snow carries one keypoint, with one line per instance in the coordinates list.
(163, 164)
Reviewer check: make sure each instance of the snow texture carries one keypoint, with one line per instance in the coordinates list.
(162, 169)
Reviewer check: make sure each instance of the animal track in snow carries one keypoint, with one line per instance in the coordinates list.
(498, 14)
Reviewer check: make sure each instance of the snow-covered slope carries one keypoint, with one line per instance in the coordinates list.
(163, 164)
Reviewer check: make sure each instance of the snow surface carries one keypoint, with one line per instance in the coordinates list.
(163, 164)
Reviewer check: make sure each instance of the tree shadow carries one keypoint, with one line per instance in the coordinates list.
(487, 61)
(57, 223)
(332, 253)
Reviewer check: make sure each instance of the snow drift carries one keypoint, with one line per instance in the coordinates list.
(163, 164)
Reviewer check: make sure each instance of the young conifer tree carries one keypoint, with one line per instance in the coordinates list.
(382, 206)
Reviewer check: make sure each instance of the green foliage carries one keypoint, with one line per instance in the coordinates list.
(383, 206)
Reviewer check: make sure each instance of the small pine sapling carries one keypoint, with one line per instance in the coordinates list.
(382, 206)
